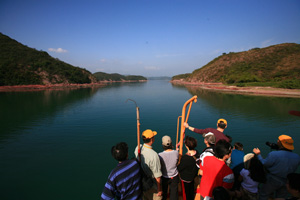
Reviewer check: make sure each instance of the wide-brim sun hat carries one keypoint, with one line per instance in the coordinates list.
(287, 142)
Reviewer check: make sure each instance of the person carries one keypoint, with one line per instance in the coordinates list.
(250, 177)
(187, 167)
(170, 177)
(150, 164)
(219, 132)
(293, 185)
(221, 193)
(279, 164)
(209, 141)
(124, 182)
(237, 162)
(215, 172)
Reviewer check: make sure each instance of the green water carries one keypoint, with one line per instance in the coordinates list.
(56, 144)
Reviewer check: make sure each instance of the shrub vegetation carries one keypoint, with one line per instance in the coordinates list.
(275, 66)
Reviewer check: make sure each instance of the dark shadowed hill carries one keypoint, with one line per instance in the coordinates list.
(101, 76)
(21, 65)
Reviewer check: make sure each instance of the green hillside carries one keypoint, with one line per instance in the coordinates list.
(101, 76)
(21, 65)
(276, 66)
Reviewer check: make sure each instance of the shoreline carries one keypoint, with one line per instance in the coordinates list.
(255, 90)
(25, 88)
(60, 86)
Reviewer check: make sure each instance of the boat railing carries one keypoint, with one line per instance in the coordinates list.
(184, 118)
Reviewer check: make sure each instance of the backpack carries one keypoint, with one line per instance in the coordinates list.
(147, 182)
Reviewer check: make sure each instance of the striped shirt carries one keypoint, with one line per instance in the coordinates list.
(124, 182)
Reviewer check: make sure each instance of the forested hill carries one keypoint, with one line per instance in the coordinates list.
(101, 76)
(21, 65)
(276, 66)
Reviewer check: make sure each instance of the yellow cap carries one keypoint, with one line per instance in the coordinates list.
(222, 120)
(149, 133)
(287, 142)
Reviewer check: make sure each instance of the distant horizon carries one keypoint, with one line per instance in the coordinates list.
(148, 38)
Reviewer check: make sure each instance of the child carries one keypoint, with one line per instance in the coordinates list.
(237, 162)
(251, 176)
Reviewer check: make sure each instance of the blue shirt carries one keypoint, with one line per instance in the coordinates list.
(124, 182)
(280, 163)
(237, 161)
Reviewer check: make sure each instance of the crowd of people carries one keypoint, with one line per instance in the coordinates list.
(221, 171)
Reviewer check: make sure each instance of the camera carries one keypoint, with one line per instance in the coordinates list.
(272, 145)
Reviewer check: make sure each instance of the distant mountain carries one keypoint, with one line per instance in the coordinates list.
(21, 65)
(101, 76)
(276, 66)
(159, 78)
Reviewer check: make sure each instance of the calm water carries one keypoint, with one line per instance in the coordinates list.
(56, 144)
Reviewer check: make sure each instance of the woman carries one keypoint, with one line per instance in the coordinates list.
(187, 168)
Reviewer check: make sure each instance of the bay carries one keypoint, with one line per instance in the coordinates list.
(55, 144)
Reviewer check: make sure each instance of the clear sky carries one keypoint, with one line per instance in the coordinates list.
(148, 37)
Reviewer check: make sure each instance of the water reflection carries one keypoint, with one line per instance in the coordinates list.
(20, 109)
(248, 105)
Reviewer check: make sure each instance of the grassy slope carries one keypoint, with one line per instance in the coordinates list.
(277, 66)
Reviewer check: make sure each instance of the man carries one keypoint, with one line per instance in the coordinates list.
(214, 170)
(150, 164)
(279, 164)
(169, 161)
(221, 125)
(124, 182)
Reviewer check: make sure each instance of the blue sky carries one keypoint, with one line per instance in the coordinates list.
(148, 37)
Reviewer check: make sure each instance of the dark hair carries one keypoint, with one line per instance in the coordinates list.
(294, 181)
(222, 148)
(168, 147)
(146, 140)
(190, 142)
(120, 151)
(220, 193)
(221, 125)
(257, 171)
(238, 146)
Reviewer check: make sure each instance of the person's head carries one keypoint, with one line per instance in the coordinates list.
(223, 149)
(247, 159)
(286, 142)
(120, 151)
(190, 142)
(257, 171)
(293, 184)
(220, 193)
(209, 139)
(238, 146)
(166, 142)
(222, 123)
(148, 136)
